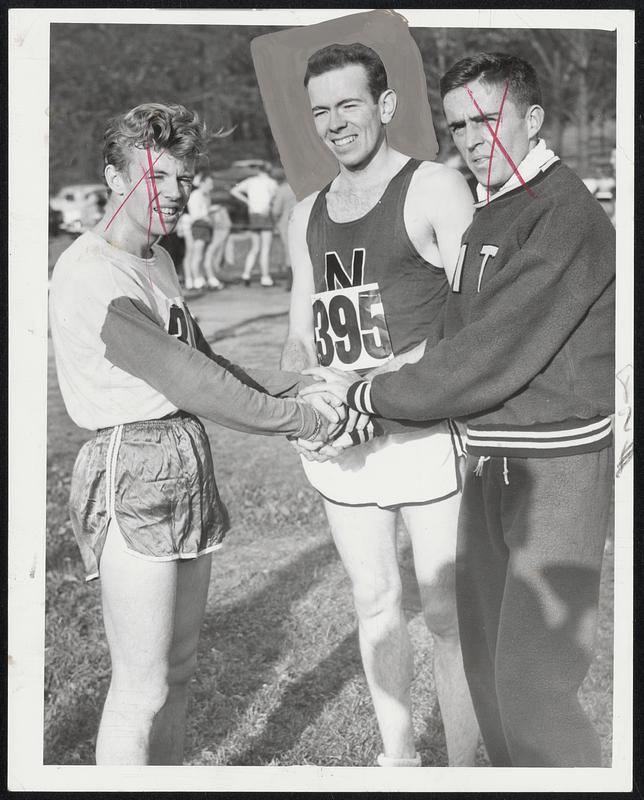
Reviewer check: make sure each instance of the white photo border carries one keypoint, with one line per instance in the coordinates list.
(28, 241)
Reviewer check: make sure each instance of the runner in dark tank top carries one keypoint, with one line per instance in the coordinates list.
(370, 254)
(376, 248)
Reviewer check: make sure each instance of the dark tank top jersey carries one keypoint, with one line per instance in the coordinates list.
(377, 249)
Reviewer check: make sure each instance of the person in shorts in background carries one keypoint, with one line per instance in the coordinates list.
(201, 230)
(221, 227)
(134, 367)
(283, 203)
(257, 193)
(184, 231)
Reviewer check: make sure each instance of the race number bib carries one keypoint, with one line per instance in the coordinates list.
(350, 328)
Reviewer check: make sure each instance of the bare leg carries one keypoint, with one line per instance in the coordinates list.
(432, 528)
(188, 279)
(218, 256)
(139, 609)
(198, 249)
(211, 278)
(229, 250)
(366, 541)
(215, 253)
(251, 257)
(266, 239)
(168, 734)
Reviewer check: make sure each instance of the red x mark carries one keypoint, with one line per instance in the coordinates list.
(131, 192)
(497, 141)
(154, 189)
(150, 201)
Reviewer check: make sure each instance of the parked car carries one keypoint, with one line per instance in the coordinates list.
(80, 205)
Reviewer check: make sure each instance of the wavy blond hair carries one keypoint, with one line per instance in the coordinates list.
(160, 126)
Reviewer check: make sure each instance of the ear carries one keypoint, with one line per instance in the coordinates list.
(534, 120)
(114, 179)
(387, 103)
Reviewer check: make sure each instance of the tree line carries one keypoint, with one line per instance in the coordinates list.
(98, 70)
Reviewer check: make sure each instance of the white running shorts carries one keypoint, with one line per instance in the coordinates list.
(396, 470)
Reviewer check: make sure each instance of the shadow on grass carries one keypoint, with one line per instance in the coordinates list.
(240, 650)
(301, 704)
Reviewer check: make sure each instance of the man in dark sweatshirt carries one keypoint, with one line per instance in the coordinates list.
(527, 359)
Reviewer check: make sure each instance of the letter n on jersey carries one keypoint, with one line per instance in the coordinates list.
(336, 275)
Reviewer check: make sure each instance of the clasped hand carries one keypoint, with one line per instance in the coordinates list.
(328, 397)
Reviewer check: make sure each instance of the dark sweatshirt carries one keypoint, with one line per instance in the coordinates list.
(528, 350)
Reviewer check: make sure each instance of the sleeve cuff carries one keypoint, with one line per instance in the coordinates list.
(359, 397)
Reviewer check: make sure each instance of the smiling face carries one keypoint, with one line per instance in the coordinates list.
(469, 127)
(158, 200)
(347, 118)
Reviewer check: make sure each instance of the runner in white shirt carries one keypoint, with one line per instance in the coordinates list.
(134, 367)
(257, 193)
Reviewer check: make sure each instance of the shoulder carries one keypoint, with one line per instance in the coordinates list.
(302, 210)
(578, 213)
(162, 254)
(438, 177)
(83, 280)
(80, 264)
(166, 264)
(439, 194)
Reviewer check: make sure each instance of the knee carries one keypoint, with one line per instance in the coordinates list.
(138, 694)
(377, 603)
(438, 601)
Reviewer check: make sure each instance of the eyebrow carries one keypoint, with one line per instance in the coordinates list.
(475, 118)
(162, 173)
(339, 103)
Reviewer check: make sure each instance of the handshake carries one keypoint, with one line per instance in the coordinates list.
(341, 426)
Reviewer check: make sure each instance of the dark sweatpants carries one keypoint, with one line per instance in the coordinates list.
(527, 583)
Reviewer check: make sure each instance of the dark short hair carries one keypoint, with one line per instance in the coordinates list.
(336, 56)
(161, 126)
(497, 69)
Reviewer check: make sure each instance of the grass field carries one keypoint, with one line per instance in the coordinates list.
(279, 679)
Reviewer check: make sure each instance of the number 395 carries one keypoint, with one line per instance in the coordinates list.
(343, 332)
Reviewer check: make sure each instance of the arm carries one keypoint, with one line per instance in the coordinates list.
(450, 213)
(270, 381)
(519, 323)
(192, 381)
(277, 203)
(446, 218)
(408, 357)
(298, 352)
(239, 192)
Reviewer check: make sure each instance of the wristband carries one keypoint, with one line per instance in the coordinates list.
(318, 425)
(359, 397)
(364, 434)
